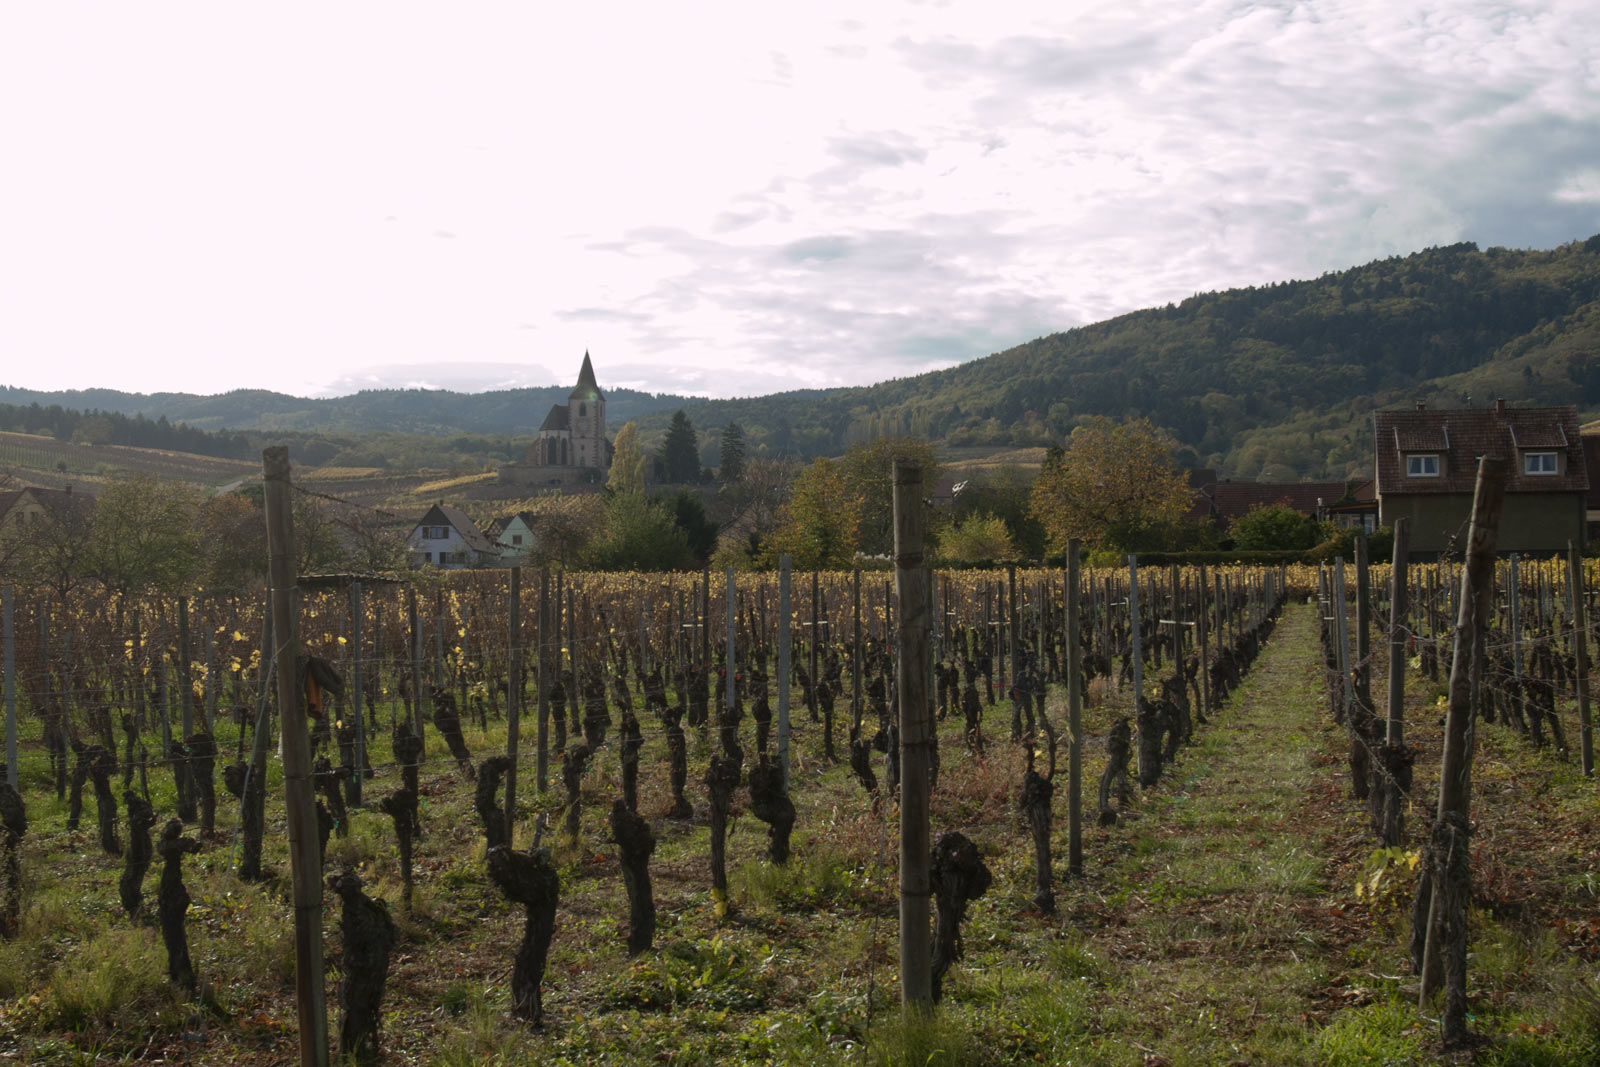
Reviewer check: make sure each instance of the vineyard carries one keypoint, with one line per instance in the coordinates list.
(630, 818)
(79, 463)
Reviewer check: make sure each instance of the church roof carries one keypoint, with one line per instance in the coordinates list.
(557, 419)
(587, 388)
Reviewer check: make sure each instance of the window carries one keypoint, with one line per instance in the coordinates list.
(438, 533)
(1422, 466)
(1539, 463)
(516, 539)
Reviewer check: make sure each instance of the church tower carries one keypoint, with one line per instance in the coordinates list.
(586, 410)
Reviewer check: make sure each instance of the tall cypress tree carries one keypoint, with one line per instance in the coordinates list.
(680, 451)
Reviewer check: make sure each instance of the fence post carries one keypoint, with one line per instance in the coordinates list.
(1074, 718)
(357, 694)
(513, 701)
(916, 739)
(302, 817)
(10, 668)
(783, 669)
(1446, 911)
(543, 771)
(1580, 624)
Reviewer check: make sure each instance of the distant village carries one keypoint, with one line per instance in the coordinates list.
(1424, 466)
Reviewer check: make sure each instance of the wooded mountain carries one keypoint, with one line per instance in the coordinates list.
(1274, 381)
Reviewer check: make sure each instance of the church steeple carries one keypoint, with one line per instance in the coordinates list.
(587, 388)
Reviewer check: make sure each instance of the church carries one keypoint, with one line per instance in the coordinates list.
(571, 447)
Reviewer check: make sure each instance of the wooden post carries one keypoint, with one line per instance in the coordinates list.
(729, 660)
(304, 850)
(783, 668)
(543, 771)
(1202, 623)
(358, 717)
(1363, 623)
(8, 636)
(916, 741)
(211, 670)
(513, 700)
(1137, 652)
(1580, 624)
(1455, 773)
(186, 679)
(416, 675)
(1398, 631)
(1342, 621)
(1074, 719)
(855, 654)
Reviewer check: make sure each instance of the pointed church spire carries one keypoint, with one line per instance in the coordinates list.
(587, 388)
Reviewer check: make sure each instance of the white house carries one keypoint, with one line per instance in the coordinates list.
(446, 537)
(513, 536)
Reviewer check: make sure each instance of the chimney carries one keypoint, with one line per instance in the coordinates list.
(1500, 406)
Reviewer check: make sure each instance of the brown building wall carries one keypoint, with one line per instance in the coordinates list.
(1529, 522)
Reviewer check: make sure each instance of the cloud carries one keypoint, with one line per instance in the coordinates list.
(819, 195)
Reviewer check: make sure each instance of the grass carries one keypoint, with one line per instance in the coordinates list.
(1220, 926)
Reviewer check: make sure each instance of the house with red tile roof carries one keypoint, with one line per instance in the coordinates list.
(1427, 465)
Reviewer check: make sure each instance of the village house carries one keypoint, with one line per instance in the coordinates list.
(1346, 504)
(21, 508)
(446, 537)
(1427, 466)
(513, 536)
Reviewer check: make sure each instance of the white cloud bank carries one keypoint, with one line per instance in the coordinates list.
(727, 198)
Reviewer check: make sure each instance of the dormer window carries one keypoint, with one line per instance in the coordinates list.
(1539, 463)
(1425, 465)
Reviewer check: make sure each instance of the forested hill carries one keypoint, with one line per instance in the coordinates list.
(1274, 381)
(412, 411)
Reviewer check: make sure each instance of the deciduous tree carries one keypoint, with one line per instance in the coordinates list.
(1276, 526)
(628, 461)
(1111, 485)
(820, 524)
(868, 467)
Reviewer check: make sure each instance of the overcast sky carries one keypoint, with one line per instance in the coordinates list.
(734, 198)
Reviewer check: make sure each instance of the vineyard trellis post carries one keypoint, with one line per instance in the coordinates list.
(916, 739)
(1514, 596)
(1446, 912)
(416, 674)
(855, 653)
(310, 995)
(1137, 653)
(513, 699)
(1363, 622)
(1580, 624)
(1074, 718)
(730, 662)
(543, 767)
(358, 713)
(9, 665)
(211, 669)
(185, 688)
(784, 634)
(1202, 625)
(1400, 590)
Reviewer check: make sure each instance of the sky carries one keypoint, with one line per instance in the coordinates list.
(727, 199)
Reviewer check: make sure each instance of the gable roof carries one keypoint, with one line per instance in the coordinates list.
(1460, 435)
(1232, 500)
(439, 514)
(556, 420)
